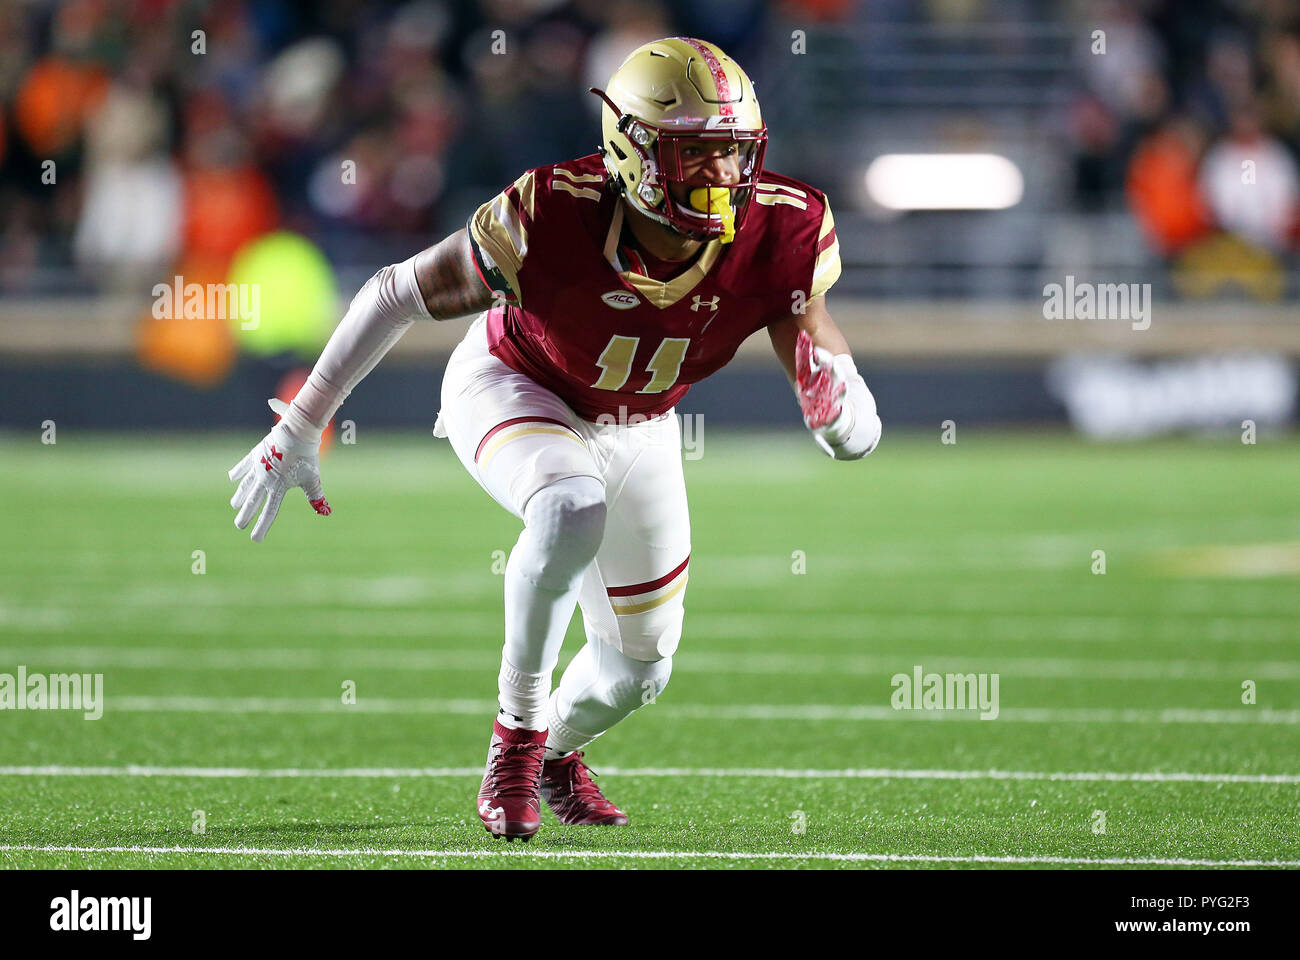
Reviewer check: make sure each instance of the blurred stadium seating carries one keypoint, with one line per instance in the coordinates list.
(148, 139)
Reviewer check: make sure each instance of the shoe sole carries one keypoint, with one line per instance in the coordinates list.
(510, 831)
(512, 837)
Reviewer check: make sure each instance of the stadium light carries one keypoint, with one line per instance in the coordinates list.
(944, 181)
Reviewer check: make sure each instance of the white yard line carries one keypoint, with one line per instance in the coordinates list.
(381, 773)
(300, 658)
(177, 617)
(753, 711)
(526, 853)
(252, 658)
(762, 711)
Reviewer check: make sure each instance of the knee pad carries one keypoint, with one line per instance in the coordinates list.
(630, 684)
(537, 466)
(564, 523)
(600, 688)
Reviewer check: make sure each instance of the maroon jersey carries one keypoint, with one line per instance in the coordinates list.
(575, 316)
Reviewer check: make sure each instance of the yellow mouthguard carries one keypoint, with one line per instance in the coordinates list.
(716, 200)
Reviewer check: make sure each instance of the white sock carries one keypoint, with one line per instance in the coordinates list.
(522, 697)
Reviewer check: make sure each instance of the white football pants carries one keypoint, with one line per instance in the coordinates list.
(605, 527)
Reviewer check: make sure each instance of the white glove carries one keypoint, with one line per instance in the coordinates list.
(280, 461)
(837, 406)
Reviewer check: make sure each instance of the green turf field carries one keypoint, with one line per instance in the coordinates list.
(775, 744)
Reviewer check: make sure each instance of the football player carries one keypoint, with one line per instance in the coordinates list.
(604, 287)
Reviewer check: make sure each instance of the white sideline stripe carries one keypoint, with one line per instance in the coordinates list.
(752, 711)
(646, 855)
(299, 658)
(784, 773)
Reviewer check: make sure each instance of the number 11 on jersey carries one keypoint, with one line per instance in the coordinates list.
(616, 363)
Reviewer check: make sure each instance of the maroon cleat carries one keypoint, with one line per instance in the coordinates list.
(508, 801)
(573, 796)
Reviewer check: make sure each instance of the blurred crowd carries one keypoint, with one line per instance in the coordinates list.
(142, 137)
(137, 135)
(1191, 114)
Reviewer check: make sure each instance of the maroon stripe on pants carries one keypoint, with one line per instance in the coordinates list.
(649, 584)
(511, 422)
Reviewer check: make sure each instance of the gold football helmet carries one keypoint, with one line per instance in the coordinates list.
(666, 92)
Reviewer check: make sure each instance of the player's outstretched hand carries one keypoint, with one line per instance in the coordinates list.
(837, 406)
(821, 392)
(278, 462)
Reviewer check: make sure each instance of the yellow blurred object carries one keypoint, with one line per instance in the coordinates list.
(288, 297)
(1224, 262)
(716, 200)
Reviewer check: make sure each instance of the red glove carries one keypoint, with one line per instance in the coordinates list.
(820, 396)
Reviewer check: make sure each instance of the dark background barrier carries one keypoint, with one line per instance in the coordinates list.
(120, 396)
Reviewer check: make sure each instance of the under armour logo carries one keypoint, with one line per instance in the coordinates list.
(698, 302)
(274, 453)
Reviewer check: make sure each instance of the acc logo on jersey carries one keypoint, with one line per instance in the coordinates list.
(621, 299)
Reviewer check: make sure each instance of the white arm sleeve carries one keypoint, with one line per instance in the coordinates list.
(380, 313)
(856, 431)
